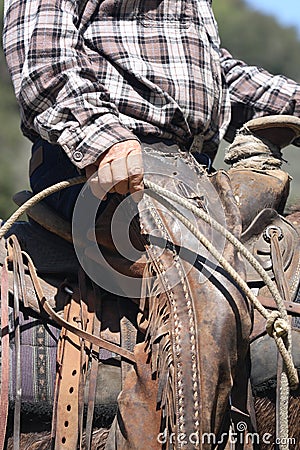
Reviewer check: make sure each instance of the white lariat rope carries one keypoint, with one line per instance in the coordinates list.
(277, 321)
(248, 151)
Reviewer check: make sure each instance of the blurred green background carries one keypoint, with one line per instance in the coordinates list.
(249, 35)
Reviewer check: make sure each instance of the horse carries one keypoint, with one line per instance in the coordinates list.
(159, 355)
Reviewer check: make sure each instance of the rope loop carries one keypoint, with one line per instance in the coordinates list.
(278, 326)
(248, 151)
(275, 325)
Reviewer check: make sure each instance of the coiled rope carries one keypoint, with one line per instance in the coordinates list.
(248, 151)
(277, 321)
(277, 324)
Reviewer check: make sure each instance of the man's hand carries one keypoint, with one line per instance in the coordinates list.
(119, 169)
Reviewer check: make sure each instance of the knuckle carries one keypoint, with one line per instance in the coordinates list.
(120, 177)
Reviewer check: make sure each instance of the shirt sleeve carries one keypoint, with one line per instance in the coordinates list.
(254, 92)
(54, 81)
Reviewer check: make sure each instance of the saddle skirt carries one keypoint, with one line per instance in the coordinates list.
(56, 261)
(256, 240)
(57, 267)
(263, 348)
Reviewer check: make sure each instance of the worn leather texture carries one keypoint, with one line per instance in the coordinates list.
(189, 311)
(256, 240)
(194, 321)
(256, 190)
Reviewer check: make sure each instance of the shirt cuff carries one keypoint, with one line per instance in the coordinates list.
(84, 145)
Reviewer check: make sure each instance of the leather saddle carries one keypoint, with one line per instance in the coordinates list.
(58, 256)
(256, 239)
(57, 269)
(256, 189)
(255, 236)
(261, 196)
(263, 349)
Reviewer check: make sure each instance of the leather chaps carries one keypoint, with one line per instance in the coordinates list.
(193, 362)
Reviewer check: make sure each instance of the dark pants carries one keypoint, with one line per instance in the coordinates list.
(49, 164)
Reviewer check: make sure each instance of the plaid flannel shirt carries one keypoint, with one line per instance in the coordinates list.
(88, 74)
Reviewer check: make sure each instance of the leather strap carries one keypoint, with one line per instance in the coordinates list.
(59, 356)
(98, 341)
(87, 309)
(73, 373)
(291, 307)
(69, 372)
(4, 354)
(281, 421)
(94, 368)
(14, 254)
(278, 268)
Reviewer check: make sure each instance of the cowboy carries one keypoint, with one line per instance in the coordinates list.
(95, 79)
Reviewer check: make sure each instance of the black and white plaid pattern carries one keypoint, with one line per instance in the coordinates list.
(120, 68)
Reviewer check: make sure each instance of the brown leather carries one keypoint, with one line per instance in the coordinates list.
(45, 216)
(94, 367)
(255, 190)
(87, 302)
(183, 318)
(64, 432)
(254, 238)
(41, 293)
(191, 354)
(68, 380)
(289, 248)
(279, 129)
(269, 303)
(107, 246)
(138, 421)
(74, 355)
(5, 360)
(264, 366)
(98, 341)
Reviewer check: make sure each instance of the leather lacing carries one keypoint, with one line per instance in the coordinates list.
(277, 323)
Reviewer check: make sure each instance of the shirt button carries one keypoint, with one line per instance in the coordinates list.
(77, 156)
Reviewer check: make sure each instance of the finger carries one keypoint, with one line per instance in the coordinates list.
(120, 175)
(105, 178)
(96, 189)
(119, 150)
(135, 174)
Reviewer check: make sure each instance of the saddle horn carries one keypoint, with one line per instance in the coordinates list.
(281, 130)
